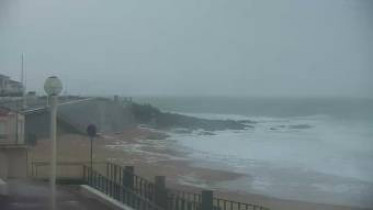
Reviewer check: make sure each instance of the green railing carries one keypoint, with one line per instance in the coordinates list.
(117, 191)
(171, 199)
(123, 185)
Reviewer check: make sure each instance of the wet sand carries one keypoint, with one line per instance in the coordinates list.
(141, 148)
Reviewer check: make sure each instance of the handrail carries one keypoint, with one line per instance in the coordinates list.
(44, 163)
(35, 167)
(224, 204)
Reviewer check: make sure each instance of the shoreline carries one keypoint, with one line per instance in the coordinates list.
(151, 157)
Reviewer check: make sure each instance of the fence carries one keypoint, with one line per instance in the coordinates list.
(171, 199)
(127, 177)
(117, 190)
(65, 170)
(122, 184)
(180, 200)
(223, 204)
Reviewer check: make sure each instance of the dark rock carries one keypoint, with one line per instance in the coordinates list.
(206, 133)
(148, 114)
(300, 126)
(182, 131)
(247, 121)
(157, 136)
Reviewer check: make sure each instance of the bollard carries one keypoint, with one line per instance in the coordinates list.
(129, 177)
(207, 200)
(160, 191)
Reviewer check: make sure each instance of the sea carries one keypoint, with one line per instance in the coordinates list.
(308, 149)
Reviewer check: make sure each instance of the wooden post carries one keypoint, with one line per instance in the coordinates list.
(160, 191)
(207, 200)
(129, 177)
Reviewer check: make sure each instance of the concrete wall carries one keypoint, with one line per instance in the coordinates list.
(108, 116)
(37, 124)
(13, 162)
(17, 163)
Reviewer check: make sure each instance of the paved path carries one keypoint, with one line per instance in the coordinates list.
(34, 195)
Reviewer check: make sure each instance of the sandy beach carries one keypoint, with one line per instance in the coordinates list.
(140, 147)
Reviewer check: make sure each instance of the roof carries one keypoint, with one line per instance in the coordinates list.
(15, 82)
(4, 111)
(2, 76)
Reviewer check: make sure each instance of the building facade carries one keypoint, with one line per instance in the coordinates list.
(11, 127)
(13, 151)
(10, 87)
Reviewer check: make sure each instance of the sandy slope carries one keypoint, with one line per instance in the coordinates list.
(151, 157)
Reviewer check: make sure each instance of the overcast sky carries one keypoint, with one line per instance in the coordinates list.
(192, 47)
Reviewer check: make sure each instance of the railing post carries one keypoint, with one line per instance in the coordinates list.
(160, 191)
(207, 200)
(90, 176)
(111, 179)
(107, 170)
(107, 189)
(32, 169)
(84, 174)
(128, 177)
(116, 188)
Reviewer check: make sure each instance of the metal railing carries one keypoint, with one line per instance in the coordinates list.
(122, 184)
(116, 190)
(181, 200)
(175, 199)
(65, 169)
(223, 204)
(127, 177)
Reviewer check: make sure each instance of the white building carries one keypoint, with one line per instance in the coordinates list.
(13, 151)
(11, 127)
(10, 87)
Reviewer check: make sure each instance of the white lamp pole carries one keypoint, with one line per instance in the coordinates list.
(53, 88)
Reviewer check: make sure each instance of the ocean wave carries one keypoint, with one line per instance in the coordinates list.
(258, 119)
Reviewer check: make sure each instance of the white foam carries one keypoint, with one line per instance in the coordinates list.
(342, 149)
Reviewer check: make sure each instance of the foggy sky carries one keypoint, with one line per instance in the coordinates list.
(192, 47)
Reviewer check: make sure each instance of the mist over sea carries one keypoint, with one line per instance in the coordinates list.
(318, 150)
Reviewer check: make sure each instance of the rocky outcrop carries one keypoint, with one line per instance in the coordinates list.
(147, 114)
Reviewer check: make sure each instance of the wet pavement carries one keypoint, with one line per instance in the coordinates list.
(35, 195)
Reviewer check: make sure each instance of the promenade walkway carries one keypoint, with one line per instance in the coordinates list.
(34, 195)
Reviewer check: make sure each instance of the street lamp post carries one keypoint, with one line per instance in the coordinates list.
(53, 88)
